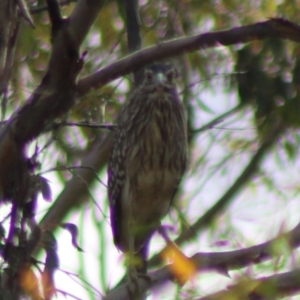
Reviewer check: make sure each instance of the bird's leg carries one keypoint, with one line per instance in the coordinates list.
(132, 274)
(130, 261)
(136, 268)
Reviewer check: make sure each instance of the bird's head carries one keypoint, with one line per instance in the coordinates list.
(160, 77)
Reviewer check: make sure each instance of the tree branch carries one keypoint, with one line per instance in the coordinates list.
(222, 262)
(265, 288)
(217, 120)
(55, 16)
(133, 33)
(274, 28)
(8, 33)
(50, 100)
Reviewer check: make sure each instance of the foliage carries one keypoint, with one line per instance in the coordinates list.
(241, 187)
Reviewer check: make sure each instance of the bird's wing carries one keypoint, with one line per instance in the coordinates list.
(116, 178)
(116, 166)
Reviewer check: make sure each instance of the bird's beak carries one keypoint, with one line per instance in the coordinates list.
(160, 78)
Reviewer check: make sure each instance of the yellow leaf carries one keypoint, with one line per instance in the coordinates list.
(181, 266)
(29, 283)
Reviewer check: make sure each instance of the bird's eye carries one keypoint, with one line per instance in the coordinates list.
(171, 75)
(148, 76)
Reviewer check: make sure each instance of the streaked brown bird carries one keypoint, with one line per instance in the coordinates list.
(147, 162)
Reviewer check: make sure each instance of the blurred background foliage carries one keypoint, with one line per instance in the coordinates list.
(243, 90)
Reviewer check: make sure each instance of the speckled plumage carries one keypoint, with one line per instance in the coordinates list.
(148, 159)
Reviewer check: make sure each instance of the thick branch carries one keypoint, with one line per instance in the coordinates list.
(133, 33)
(265, 288)
(274, 28)
(8, 30)
(221, 262)
(51, 99)
(133, 25)
(55, 95)
(83, 17)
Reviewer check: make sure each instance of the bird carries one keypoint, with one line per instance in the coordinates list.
(147, 162)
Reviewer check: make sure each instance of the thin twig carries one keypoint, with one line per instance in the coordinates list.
(89, 125)
(217, 120)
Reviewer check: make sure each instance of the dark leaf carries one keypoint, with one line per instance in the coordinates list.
(51, 265)
(73, 229)
(45, 189)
